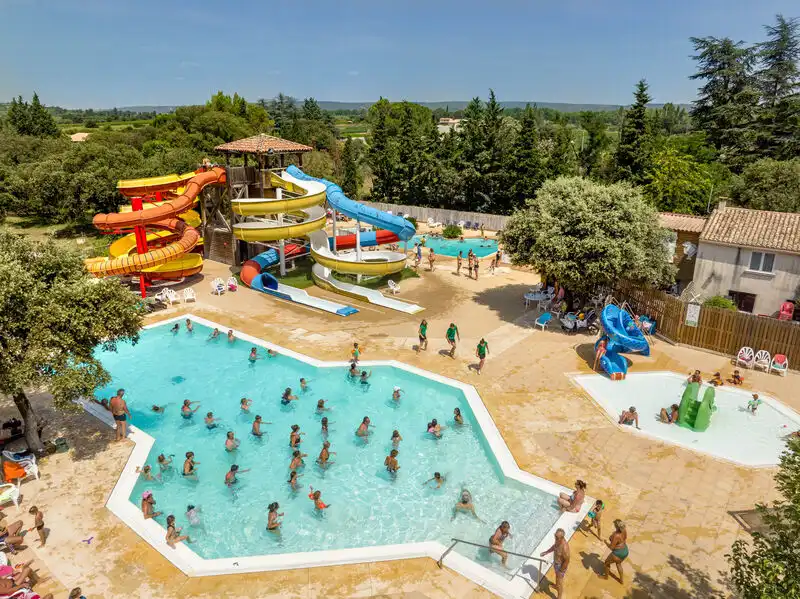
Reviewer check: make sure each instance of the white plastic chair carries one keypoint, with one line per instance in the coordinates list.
(232, 284)
(394, 287)
(173, 297)
(745, 357)
(218, 286)
(780, 364)
(189, 295)
(9, 492)
(763, 360)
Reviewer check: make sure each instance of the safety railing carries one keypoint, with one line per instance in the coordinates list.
(541, 569)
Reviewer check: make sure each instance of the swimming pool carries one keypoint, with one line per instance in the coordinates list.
(368, 507)
(734, 434)
(451, 247)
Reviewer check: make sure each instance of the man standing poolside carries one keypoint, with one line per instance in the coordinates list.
(120, 412)
(451, 335)
(560, 551)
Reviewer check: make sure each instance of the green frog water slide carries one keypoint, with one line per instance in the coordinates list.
(695, 414)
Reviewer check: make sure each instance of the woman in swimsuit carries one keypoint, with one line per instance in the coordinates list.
(629, 417)
(293, 482)
(11, 536)
(297, 460)
(391, 462)
(459, 260)
(294, 436)
(498, 538)
(253, 355)
(572, 503)
(353, 372)
(396, 438)
(459, 419)
(173, 534)
(287, 397)
(325, 455)
(273, 524)
(670, 417)
(435, 429)
(618, 543)
(231, 442)
(189, 465)
(147, 507)
(363, 428)
(186, 408)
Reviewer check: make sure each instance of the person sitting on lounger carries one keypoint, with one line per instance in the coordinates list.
(671, 416)
(629, 417)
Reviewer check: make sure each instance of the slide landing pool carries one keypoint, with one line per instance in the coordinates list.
(373, 516)
(735, 434)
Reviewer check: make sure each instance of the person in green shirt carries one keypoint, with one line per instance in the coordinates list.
(451, 335)
(480, 352)
(423, 336)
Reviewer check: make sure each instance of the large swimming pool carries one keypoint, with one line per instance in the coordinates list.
(368, 506)
(451, 247)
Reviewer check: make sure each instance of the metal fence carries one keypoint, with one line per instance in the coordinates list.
(718, 329)
(490, 222)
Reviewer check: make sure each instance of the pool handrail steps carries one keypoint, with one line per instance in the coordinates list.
(540, 570)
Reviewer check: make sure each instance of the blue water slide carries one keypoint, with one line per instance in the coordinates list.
(623, 334)
(350, 208)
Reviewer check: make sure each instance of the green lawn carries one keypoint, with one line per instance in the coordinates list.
(301, 278)
(87, 240)
(380, 282)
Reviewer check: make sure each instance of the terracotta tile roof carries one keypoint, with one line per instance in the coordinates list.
(762, 229)
(688, 223)
(261, 144)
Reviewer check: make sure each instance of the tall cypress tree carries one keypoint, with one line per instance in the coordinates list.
(407, 157)
(350, 180)
(19, 116)
(526, 168)
(380, 155)
(42, 122)
(778, 79)
(728, 100)
(635, 147)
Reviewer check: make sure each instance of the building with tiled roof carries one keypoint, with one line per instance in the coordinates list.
(688, 223)
(751, 256)
(687, 229)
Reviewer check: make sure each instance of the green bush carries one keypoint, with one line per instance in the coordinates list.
(452, 231)
(412, 220)
(719, 301)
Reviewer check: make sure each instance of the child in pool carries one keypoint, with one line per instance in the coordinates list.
(293, 482)
(325, 455)
(316, 497)
(396, 438)
(736, 378)
(304, 385)
(391, 462)
(297, 460)
(244, 404)
(321, 406)
(753, 404)
(325, 424)
(437, 478)
(253, 355)
(210, 421)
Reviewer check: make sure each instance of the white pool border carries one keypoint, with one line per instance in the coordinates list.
(774, 403)
(522, 585)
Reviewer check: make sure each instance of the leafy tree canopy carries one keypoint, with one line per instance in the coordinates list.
(53, 315)
(587, 234)
(769, 185)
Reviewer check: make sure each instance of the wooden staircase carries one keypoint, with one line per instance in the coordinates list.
(219, 246)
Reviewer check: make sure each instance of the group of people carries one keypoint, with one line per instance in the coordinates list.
(452, 336)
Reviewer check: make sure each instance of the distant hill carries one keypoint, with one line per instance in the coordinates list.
(461, 104)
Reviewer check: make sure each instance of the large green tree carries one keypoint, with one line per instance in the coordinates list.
(728, 99)
(778, 79)
(586, 234)
(596, 143)
(678, 183)
(769, 185)
(766, 566)
(351, 179)
(526, 170)
(382, 156)
(635, 149)
(53, 315)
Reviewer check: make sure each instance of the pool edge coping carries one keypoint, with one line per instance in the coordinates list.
(522, 585)
(768, 399)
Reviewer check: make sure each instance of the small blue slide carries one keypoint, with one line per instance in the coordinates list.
(351, 209)
(623, 336)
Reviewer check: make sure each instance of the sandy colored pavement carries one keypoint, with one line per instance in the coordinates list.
(675, 502)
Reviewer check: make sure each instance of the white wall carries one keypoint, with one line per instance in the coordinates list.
(720, 269)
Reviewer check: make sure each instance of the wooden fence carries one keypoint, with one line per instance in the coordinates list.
(719, 330)
(490, 222)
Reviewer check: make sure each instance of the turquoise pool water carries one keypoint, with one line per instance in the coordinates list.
(368, 506)
(451, 247)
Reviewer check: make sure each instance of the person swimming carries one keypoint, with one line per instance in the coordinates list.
(459, 419)
(294, 436)
(210, 421)
(321, 406)
(214, 334)
(325, 455)
(437, 478)
(189, 469)
(157, 409)
(435, 429)
(391, 462)
(273, 524)
(396, 438)
(364, 376)
(174, 330)
(253, 355)
(325, 424)
(354, 371)
(464, 504)
(230, 477)
(231, 442)
(396, 393)
(256, 430)
(186, 408)
(363, 428)
(304, 385)
(244, 404)
(271, 353)
(231, 337)
(287, 396)
(297, 460)
(146, 473)
(316, 497)
(164, 463)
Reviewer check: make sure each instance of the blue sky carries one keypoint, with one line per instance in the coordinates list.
(80, 53)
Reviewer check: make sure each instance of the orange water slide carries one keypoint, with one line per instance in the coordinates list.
(159, 217)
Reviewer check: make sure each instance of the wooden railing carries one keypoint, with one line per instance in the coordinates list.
(719, 330)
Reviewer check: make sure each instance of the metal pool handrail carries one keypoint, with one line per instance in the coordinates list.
(542, 562)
